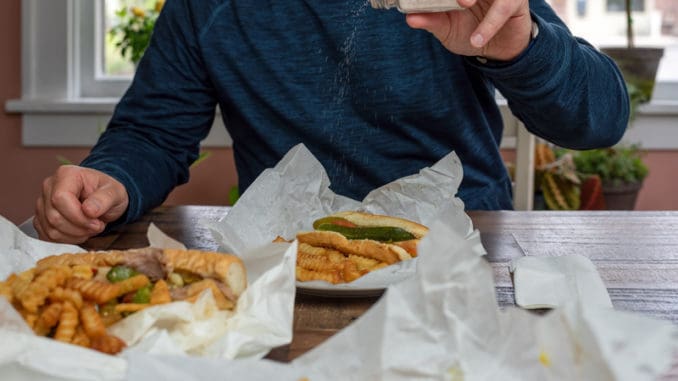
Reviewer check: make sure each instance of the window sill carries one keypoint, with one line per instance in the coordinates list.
(78, 123)
(62, 106)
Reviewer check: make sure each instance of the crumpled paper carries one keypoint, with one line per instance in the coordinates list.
(19, 252)
(444, 324)
(547, 282)
(287, 199)
(262, 319)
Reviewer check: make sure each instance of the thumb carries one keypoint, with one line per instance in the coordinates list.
(437, 24)
(106, 203)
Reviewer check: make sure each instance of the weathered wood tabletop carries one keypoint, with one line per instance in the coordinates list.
(636, 254)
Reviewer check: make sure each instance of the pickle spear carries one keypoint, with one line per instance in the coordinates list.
(334, 221)
(376, 233)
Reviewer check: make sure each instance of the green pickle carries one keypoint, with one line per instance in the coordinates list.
(120, 273)
(143, 295)
(377, 233)
(334, 221)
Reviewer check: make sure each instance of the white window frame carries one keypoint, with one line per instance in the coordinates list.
(58, 40)
(90, 37)
(58, 61)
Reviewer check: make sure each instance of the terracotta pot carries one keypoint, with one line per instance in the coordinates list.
(622, 196)
(638, 65)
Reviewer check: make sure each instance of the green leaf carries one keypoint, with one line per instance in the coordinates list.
(615, 164)
(63, 160)
(233, 195)
(201, 157)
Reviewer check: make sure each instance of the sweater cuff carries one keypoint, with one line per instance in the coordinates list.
(531, 62)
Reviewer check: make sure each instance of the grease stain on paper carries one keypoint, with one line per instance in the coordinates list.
(455, 373)
(544, 359)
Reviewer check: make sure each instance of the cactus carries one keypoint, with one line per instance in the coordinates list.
(559, 192)
(543, 155)
(557, 179)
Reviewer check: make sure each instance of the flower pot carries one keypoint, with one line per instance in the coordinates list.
(638, 66)
(538, 203)
(621, 196)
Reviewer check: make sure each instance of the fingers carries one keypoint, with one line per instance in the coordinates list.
(62, 201)
(48, 232)
(435, 23)
(57, 215)
(466, 3)
(61, 216)
(107, 202)
(496, 17)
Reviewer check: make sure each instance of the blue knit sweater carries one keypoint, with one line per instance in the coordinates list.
(373, 99)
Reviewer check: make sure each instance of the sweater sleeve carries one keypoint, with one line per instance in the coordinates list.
(561, 87)
(156, 129)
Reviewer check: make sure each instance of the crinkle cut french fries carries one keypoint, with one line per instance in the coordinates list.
(62, 302)
(73, 298)
(332, 266)
(344, 246)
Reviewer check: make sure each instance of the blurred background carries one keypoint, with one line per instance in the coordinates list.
(63, 69)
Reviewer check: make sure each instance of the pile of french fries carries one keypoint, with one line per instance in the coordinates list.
(69, 305)
(318, 263)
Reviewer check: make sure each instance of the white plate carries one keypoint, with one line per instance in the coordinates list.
(372, 284)
(336, 291)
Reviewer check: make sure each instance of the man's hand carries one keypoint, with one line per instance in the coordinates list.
(77, 203)
(494, 29)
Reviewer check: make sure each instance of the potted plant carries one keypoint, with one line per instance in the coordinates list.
(133, 30)
(637, 64)
(621, 170)
(557, 184)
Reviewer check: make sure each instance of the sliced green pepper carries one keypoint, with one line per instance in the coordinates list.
(377, 233)
(108, 308)
(143, 295)
(120, 273)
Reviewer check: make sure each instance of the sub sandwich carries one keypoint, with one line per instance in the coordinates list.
(74, 297)
(347, 245)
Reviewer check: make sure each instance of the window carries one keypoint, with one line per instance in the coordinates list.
(655, 24)
(113, 64)
(102, 71)
(581, 8)
(620, 5)
(72, 77)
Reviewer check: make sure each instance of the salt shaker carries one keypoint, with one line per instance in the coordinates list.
(416, 6)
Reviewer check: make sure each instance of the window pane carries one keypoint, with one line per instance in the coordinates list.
(603, 23)
(114, 64)
(619, 5)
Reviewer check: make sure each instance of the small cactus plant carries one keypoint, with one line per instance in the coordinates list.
(557, 179)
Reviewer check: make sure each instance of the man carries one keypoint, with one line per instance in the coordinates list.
(373, 97)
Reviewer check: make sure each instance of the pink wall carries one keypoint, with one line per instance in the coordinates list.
(659, 189)
(23, 169)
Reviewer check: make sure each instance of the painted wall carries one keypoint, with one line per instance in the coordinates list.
(23, 169)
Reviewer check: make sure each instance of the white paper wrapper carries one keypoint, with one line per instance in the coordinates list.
(289, 197)
(144, 367)
(19, 252)
(547, 282)
(444, 324)
(261, 321)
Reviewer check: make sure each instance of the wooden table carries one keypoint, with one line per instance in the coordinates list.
(636, 254)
